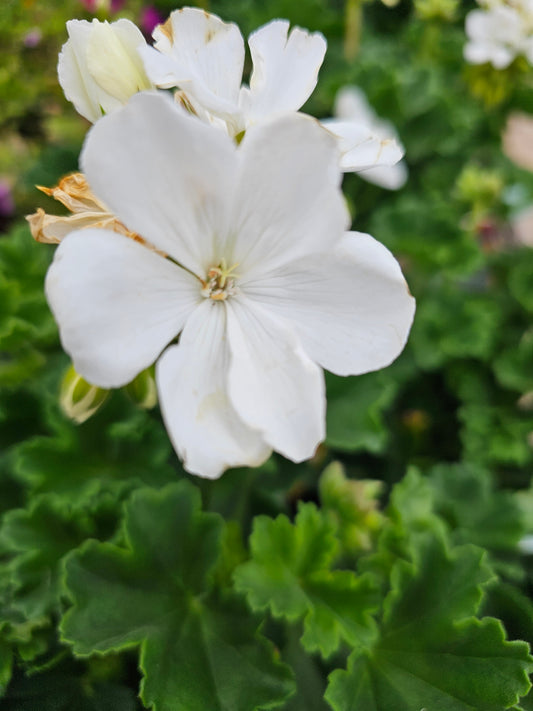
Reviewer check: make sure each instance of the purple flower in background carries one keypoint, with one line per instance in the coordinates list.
(33, 38)
(7, 204)
(150, 18)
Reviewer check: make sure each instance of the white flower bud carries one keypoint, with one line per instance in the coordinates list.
(78, 399)
(143, 390)
(99, 67)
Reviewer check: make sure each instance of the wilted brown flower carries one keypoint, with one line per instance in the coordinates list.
(87, 210)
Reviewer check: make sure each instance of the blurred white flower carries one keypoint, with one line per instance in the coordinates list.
(499, 33)
(517, 140)
(525, 545)
(204, 57)
(367, 140)
(261, 282)
(99, 67)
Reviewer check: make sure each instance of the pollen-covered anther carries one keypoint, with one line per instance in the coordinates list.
(220, 282)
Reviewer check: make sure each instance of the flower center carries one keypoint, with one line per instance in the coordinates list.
(220, 282)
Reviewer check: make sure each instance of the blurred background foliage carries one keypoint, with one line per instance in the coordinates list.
(440, 442)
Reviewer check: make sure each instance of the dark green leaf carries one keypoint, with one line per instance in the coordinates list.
(432, 653)
(197, 651)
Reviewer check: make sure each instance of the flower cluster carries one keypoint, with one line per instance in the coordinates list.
(212, 238)
(499, 32)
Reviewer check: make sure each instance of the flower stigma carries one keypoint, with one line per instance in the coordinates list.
(220, 282)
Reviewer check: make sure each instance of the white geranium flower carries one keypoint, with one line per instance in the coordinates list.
(99, 66)
(369, 144)
(261, 282)
(204, 57)
(498, 35)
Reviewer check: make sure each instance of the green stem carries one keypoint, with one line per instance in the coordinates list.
(353, 19)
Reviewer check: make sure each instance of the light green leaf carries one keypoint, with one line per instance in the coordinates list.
(290, 574)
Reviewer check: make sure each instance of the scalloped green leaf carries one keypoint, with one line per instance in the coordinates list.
(432, 653)
(198, 651)
(37, 539)
(120, 447)
(290, 574)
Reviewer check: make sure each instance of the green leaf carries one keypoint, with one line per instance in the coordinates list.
(432, 653)
(355, 411)
(453, 322)
(521, 278)
(513, 367)
(494, 429)
(6, 664)
(309, 675)
(479, 513)
(290, 574)
(496, 434)
(197, 651)
(114, 450)
(37, 539)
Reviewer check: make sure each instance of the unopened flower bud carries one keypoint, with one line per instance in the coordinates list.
(479, 186)
(99, 67)
(142, 390)
(79, 399)
(437, 9)
(353, 505)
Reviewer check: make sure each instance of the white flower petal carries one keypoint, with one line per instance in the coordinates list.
(117, 304)
(285, 69)
(476, 53)
(77, 84)
(99, 67)
(273, 385)
(501, 57)
(496, 36)
(192, 381)
(165, 175)
(362, 147)
(351, 309)
(351, 104)
(289, 201)
(202, 55)
(391, 177)
(113, 59)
